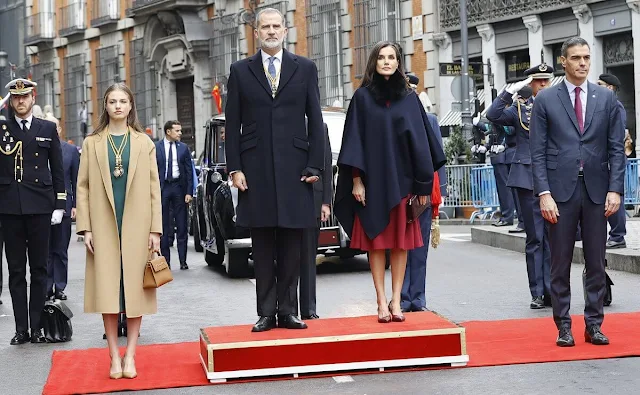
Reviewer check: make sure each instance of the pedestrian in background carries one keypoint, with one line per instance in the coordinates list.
(119, 214)
(57, 267)
(388, 154)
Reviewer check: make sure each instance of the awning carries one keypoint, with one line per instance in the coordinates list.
(452, 118)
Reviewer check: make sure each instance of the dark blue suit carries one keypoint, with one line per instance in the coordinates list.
(558, 151)
(61, 233)
(413, 295)
(173, 194)
(618, 221)
(510, 152)
(504, 112)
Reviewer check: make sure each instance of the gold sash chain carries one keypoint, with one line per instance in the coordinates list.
(17, 149)
(520, 118)
(118, 171)
(273, 80)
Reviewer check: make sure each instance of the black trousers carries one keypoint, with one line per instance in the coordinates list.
(27, 235)
(57, 267)
(276, 283)
(308, 270)
(174, 207)
(562, 240)
(1, 259)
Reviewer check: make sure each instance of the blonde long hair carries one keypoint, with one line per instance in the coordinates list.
(132, 118)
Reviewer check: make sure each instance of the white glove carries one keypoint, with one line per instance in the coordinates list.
(476, 120)
(519, 85)
(4, 100)
(500, 148)
(474, 149)
(56, 217)
(482, 149)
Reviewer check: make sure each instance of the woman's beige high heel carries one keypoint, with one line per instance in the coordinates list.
(128, 375)
(116, 375)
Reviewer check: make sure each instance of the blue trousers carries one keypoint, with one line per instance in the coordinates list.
(415, 277)
(618, 223)
(505, 194)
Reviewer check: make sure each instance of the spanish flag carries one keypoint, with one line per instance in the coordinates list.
(217, 98)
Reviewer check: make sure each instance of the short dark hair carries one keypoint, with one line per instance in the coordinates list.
(573, 42)
(169, 125)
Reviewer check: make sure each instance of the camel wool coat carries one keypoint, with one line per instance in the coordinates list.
(96, 213)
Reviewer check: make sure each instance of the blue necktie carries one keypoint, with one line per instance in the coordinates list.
(272, 68)
(170, 163)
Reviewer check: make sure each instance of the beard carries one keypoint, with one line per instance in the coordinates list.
(273, 44)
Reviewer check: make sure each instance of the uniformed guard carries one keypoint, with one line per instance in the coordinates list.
(504, 111)
(32, 198)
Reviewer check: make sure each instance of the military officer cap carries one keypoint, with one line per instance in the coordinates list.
(540, 72)
(610, 79)
(21, 86)
(413, 79)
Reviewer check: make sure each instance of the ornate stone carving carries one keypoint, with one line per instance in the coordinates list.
(171, 22)
(618, 49)
(583, 13)
(634, 5)
(533, 23)
(485, 31)
(442, 40)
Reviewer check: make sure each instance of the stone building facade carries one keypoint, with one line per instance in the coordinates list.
(173, 52)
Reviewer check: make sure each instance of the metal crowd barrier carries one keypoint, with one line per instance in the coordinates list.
(631, 180)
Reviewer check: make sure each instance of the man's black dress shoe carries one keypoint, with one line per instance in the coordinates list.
(313, 316)
(594, 335)
(406, 310)
(264, 324)
(290, 322)
(423, 308)
(565, 338)
(20, 338)
(536, 303)
(547, 300)
(502, 223)
(184, 266)
(615, 244)
(37, 337)
(61, 295)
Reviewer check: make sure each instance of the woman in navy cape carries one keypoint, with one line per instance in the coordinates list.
(389, 153)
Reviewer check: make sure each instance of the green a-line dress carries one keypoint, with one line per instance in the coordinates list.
(119, 185)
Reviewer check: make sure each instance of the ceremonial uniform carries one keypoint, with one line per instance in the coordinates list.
(31, 188)
(504, 111)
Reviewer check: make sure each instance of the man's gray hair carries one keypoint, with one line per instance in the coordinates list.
(572, 42)
(268, 10)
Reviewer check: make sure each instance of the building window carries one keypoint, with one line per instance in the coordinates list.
(42, 74)
(375, 21)
(516, 63)
(108, 71)
(143, 85)
(557, 62)
(224, 49)
(74, 96)
(324, 46)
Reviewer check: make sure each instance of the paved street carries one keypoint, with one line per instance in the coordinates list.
(465, 282)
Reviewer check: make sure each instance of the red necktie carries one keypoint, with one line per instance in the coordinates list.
(578, 108)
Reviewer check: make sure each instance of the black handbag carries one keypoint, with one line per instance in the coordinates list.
(608, 296)
(56, 321)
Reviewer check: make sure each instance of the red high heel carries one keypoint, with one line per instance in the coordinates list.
(396, 317)
(384, 320)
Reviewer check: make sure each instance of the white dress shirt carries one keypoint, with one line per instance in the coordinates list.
(176, 168)
(583, 96)
(29, 119)
(277, 63)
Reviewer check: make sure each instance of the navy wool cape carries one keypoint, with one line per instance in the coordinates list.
(396, 151)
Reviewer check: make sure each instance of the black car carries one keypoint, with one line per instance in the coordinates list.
(215, 229)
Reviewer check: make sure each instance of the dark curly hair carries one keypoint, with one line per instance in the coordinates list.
(382, 90)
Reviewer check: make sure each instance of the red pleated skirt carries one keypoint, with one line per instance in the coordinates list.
(397, 235)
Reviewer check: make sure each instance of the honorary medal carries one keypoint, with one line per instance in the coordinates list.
(118, 171)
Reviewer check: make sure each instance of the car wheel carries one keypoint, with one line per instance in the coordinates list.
(237, 263)
(196, 238)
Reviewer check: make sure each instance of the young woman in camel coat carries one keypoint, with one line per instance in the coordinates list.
(120, 218)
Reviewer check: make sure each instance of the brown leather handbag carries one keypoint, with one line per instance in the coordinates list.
(415, 209)
(157, 272)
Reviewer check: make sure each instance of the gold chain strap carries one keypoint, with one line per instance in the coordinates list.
(273, 80)
(17, 149)
(118, 171)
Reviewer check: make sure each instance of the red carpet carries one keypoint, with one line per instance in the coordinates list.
(489, 343)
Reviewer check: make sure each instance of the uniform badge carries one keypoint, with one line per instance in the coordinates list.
(543, 68)
(11, 139)
(19, 85)
(7, 147)
(43, 139)
(4, 127)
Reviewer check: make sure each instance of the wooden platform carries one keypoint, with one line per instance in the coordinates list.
(332, 345)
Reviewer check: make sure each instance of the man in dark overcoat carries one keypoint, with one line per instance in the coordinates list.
(274, 155)
(32, 198)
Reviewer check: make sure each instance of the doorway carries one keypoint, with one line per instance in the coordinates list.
(186, 112)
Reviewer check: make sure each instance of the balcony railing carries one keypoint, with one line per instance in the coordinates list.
(105, 12)
(40, 27)
(72, 19)
(150, 7)
(488, 11)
